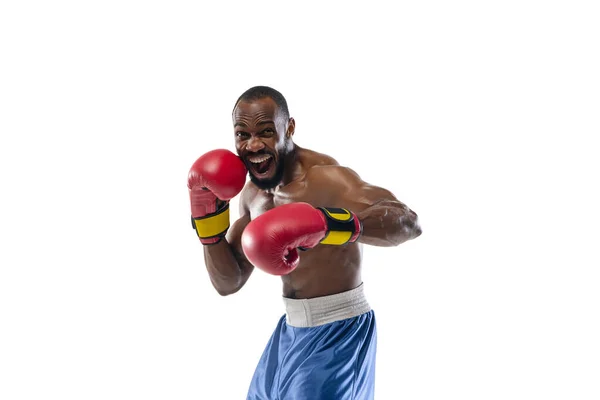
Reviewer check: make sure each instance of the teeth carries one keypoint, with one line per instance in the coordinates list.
(259, 159)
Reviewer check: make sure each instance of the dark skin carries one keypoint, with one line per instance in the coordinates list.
(311, 177)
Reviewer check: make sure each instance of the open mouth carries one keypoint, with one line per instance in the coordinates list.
(260, 164)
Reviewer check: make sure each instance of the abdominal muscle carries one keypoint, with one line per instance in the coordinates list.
(324, 270)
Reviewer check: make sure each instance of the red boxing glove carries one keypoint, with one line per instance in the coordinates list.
(214, 179)
(271, 241)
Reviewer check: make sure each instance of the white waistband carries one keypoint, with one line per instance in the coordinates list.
(323, 310)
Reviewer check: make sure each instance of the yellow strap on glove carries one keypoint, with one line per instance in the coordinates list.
(212, 225)
(343, 226)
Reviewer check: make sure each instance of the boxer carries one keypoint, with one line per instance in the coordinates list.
(303, 218)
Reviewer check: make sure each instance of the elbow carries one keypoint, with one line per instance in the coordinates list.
(410, 229)
(416, 230)
(226, 288)
(226, 292)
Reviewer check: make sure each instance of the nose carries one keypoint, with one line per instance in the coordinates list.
(255, 144)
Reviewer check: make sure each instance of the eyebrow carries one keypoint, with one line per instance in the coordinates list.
(243, 125)
(266, 122)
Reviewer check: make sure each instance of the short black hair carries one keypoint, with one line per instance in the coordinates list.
(259, 92)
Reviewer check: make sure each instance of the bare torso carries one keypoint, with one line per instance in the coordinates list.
(325, 269)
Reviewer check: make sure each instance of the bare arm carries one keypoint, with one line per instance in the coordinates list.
(386, 221)
(225, 261)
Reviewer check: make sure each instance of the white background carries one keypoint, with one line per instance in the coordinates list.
(478, 115)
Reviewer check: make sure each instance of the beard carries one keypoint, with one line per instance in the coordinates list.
(277, 178)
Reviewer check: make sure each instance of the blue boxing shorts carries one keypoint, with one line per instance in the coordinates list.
(322, 348)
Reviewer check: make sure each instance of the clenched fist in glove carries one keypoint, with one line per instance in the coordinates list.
(271, 241)
(214, 179)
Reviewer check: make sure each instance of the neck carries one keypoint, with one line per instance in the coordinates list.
(291, 167)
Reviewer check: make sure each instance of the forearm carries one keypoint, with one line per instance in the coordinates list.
(388, 223)
(224, 270)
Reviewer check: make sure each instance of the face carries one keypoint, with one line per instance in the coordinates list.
(262, 138)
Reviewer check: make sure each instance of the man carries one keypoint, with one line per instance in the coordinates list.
(304, 218)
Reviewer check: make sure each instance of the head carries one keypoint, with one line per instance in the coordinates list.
(263, 134)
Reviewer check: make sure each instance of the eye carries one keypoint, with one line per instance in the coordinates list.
(242, 135)
(268, 132)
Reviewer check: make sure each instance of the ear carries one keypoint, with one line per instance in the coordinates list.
(291, 128)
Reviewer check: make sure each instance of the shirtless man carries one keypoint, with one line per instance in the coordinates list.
(304, 218)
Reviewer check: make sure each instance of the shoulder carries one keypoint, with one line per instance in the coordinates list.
(339, 186)
(346, 182)
(322, 167)
(312, 158)
(335, 176)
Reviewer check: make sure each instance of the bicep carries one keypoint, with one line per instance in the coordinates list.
(364, 195)
(359, 195)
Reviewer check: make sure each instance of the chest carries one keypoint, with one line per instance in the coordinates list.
(264, 201)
